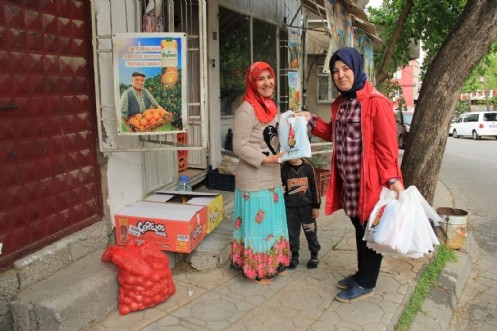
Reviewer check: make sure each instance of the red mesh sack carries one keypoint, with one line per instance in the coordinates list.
(143, 273)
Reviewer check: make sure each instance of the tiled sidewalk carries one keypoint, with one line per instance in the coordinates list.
(303, 299)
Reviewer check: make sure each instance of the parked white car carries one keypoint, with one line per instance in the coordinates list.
(475, 124)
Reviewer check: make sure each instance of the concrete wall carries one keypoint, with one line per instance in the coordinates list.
(9, 286)
(124, 170)
(47, 261)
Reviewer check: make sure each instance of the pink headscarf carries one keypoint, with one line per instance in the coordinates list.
(265, 108)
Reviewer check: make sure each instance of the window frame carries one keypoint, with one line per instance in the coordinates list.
(472, 118)
(330, 87)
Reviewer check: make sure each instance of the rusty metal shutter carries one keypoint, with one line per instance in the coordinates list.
(49, 176)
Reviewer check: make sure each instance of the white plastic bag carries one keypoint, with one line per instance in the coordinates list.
(293, 136)
(402, 226)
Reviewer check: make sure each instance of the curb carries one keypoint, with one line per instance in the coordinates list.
(437, 309)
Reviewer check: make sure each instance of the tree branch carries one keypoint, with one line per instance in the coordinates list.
(381, 73)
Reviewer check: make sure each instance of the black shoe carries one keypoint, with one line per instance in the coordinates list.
(293, 264)
(313, 263)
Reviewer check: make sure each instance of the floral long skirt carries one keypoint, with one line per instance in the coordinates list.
(260, 244)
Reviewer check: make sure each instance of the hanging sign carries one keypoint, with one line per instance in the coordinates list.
(294, 48)
(294, 90)
(369, 60)
(150, 83)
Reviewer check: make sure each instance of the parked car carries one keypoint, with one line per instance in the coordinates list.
(404, 119)
(475, 124)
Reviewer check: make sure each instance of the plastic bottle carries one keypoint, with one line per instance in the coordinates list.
(169, 63)
(184, 184)
(169, 53)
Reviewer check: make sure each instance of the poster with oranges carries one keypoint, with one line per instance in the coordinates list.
(150, 83)
(294, 90)
(294, 48)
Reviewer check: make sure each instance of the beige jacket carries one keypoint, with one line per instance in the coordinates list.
(252, 142)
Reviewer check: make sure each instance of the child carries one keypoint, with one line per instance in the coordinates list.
(302, 202)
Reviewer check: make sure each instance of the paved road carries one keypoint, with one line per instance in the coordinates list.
(469, 169)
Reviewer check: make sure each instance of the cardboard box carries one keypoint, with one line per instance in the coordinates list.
(172, 227)
(213, 201)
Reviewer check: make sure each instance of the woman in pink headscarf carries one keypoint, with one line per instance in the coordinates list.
(260, 246)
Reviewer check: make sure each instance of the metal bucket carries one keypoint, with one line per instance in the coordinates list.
(454, 225)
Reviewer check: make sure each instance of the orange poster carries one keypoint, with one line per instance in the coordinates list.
(150, 83)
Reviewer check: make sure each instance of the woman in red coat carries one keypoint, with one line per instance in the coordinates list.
(364, 160)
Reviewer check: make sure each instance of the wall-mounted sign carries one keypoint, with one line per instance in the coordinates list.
(150, 80)
(294, 90)
(294, 48)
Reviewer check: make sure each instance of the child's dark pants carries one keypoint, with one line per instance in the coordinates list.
(297, 218)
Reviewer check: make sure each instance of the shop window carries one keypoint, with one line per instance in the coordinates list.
(237, 51)
(326, 89)
(265, 43)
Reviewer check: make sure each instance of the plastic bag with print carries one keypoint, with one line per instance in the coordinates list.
(401, 226)
(293, 136)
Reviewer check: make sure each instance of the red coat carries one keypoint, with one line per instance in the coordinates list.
(380, 151)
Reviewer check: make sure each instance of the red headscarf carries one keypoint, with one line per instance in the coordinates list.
(265, 108)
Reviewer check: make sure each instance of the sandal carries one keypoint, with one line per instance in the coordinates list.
(262, 281)
(281, 270)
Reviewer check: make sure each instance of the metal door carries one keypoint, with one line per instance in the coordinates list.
(49, 177)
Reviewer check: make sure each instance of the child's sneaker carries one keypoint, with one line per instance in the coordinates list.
(293, 264)
(313, 263)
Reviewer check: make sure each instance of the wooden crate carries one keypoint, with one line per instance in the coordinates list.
(322, 178)
(182, 160)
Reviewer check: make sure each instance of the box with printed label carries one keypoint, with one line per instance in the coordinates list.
(170, 226)
(213, 201)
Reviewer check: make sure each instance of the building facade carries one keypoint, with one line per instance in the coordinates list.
(409, 82)
(67, 169)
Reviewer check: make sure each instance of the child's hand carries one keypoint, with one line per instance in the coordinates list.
(315, 213)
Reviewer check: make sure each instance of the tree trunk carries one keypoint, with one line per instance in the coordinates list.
(463, 49)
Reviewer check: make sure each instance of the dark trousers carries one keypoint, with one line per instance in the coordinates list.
(368, 261)
(297, 218)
